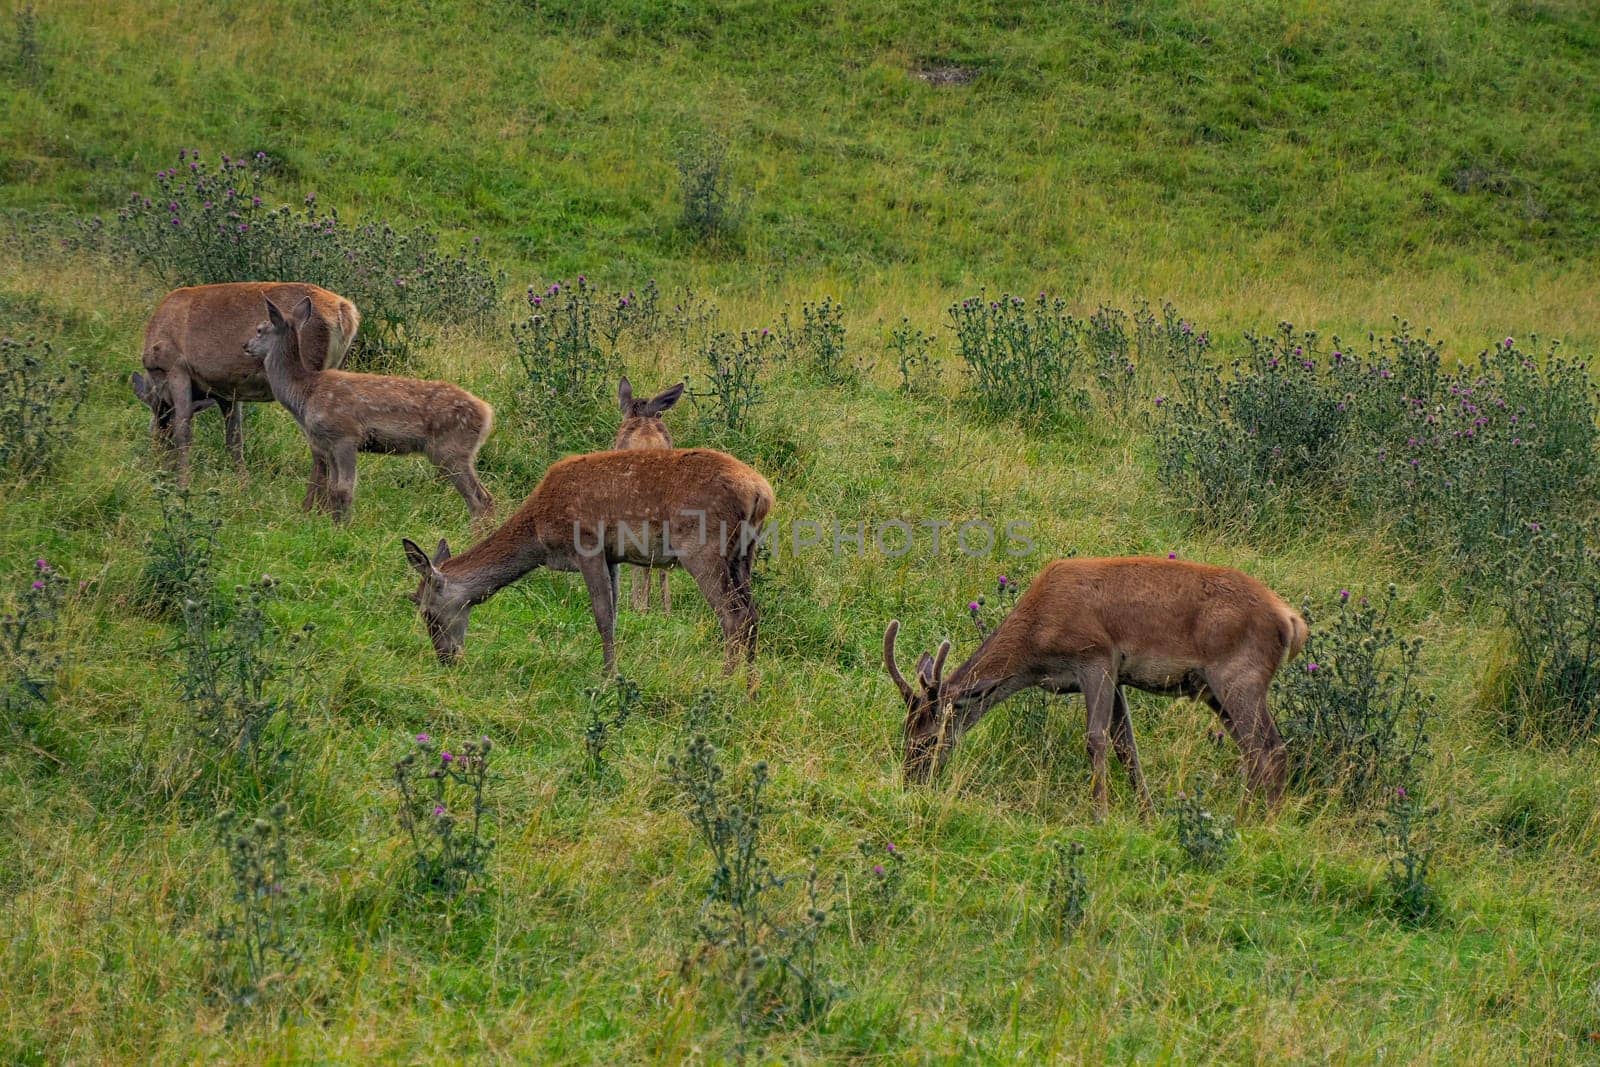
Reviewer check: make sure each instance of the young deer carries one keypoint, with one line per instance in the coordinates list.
(192, 357)
(344, 413)
(690, 507)
(1094, 625)
(643, 427)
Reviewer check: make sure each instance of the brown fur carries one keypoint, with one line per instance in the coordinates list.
(691, 508)
(1094, 625)
(343, 413)
(193, 355)
(643, 427)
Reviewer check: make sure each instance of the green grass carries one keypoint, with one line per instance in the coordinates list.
(1251, 162)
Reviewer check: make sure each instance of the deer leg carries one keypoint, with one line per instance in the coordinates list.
(317, 488)
(641, 588)
(598, 576)
(741, 577)
(1240, 700)
(666, 591)
(615, 574)
(1127, 751)
(178, 390)
(711, 575)
(233, 431)
(341, 492)
(1098, 685)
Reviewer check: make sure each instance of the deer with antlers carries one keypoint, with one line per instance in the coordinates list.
(1091, 626)
(643, 427)
(676, 507)
(343, 413)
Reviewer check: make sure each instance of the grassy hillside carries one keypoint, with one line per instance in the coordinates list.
(1329, 164)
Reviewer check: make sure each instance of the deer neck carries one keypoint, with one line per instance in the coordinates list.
(985, 678)
(498, 560)
(291, 382)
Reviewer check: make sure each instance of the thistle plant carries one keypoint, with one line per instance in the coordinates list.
(39, 400)
(818, 342)
(712, 208)
(253, 941)
(880, 896)
(28, 663)
(178, 552)
(1351, 707)
(610, 707)
(1022, 357)
(769, 968)
(568, 368)
(1066, 900)
(238, 674)
(734, 370)
(1407, 829)
(1205, 837)
(910, 350)
(443, 798)
(1551, 689)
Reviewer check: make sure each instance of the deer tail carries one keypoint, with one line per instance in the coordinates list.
(1292, 629)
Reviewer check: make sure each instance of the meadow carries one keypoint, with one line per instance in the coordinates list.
(1332, 166)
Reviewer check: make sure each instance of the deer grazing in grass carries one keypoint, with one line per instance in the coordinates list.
(643, 427)
(1091, 626)
(192, 358)
(689, 507)
(343, 413)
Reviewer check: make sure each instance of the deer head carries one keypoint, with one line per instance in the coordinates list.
(927, 713)
(278, 333)
(642, 425)
(444, 604)
(155, 396)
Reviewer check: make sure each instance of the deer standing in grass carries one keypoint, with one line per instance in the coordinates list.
(1093, 625)
(643, 427)
(343, 413)
(192, 359)
(687, 507)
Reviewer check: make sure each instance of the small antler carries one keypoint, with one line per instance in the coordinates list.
(938, 662)
(888, 659)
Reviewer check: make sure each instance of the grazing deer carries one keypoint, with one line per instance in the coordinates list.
(343, 413)
(1094, 625)
(643, 427)
(192, 357)
(687, 507)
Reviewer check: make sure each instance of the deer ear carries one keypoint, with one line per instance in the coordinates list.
(302, 311)
(441, 553)
(925, 670)
(275, 316)
(664, 399)
(625, 394)
(417, 558)
(938, 662)
(141, 387)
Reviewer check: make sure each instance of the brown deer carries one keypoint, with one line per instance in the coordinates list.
(343, 413)
(643, 427)
(1093, 625)
(192, 356)
(687, 507)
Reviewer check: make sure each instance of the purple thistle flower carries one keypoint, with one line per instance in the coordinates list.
(1160, 400)
(891, 848)
(1400, 792)
(423, 739)
(877, 869)
(1311, 668)
(1344, 596)
(445, 757)
(972, 606)
(41, 565)
(1510, 342)
(1385, 373)
(1172, 555)
(438, 809)
(37, 584)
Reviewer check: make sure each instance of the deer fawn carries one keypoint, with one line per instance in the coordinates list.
(691, 508)
(192, 357)
(1094, 625)
(643, 427)
(344, 413)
